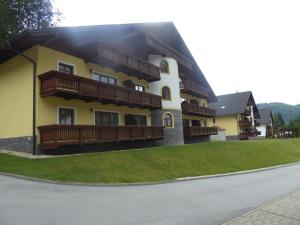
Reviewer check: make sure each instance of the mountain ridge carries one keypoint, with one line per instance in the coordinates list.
(287, 111)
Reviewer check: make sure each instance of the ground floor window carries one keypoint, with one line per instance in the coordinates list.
(168, 120)
(106, 118)
(135, 120)
(66, 116)
(196, 123)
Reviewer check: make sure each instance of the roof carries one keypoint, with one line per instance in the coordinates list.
(265, 116)
(129, 37)
(231, 104)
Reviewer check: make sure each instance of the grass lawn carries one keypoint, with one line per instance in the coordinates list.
(156, 164)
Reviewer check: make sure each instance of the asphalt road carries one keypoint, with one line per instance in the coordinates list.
(200, 202)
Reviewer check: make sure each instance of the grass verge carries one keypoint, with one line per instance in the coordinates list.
(157, 164)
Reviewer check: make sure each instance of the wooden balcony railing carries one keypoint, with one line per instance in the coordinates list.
(59, 84)
(244, 136)
(244, 123)
(199, 131)
(128, 63)
(193, 109)
(192, 88)
(53, 136)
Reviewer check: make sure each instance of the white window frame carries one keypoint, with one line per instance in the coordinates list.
(66, 63)
(140, 85)
(108, 111)
(66, 107)
(94, 72)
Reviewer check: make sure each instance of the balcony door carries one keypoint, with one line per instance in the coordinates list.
(196, 123)
(106, 118)
(135, 120)
(66, 116)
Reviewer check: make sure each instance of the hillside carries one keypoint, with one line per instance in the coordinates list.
(287, 111)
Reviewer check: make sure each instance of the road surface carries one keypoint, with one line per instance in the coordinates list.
(199, 202)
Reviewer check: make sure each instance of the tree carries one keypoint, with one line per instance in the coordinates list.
(295, 124)
(20, 15)
(278, 120)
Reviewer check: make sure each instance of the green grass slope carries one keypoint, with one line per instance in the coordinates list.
(157, 164)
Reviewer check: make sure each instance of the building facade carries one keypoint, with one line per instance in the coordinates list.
(238, 114)
(265, 123)
(107, 86)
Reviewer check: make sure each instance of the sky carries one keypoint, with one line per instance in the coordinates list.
(239, 45)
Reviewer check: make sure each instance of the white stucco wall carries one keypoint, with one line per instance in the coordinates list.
(262, 129)
(218, 137)
(170, 79)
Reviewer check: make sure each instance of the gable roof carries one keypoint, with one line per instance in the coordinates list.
(231, 104)
(265, 116)
(80, 40)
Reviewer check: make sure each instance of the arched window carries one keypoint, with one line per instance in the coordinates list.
(164, 66)
(166, 93)
(168, 120)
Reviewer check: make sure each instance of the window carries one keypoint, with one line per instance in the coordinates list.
(205, 124)
(214, 120)
(104, 78)
(166, 95)
(138, 87)
(194, 102)
(168, 120)
(164, 66)
(135, 120)
(106, 119)
(66, 116)
(65, 68)
(196, 123)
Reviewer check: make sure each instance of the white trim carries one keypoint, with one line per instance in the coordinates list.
(66, 107)
(105, 74)
(67, 63)
(109, 111)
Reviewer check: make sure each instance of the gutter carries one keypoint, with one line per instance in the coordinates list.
(34, 72)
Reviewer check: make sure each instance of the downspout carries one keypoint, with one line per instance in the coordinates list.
(34, 65)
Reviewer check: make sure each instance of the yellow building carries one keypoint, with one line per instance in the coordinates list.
(237, 113)
(87, 86)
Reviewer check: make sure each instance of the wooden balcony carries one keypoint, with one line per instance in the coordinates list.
(54, 136)
(192, 88)
(59, 84)
(244, 123)
(193, 109)
(199, 131)
(244, 136)
(127, 63)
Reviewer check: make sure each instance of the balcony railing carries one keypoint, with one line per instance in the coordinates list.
(193, 109)
(59, 84)
(244, 136)
(244, 123)
(192, 88)
(125, 62)
(199, 131)
(54, 136)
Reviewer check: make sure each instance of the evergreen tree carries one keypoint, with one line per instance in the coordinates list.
(20, 15)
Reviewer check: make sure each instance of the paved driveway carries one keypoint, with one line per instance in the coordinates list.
(198, 202)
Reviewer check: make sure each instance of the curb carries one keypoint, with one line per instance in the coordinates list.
(176, 180)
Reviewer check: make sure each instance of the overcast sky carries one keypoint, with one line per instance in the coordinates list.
(239, 45)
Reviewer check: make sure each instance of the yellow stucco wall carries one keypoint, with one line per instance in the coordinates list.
(229, 123)
(47, 107)
(16, 96)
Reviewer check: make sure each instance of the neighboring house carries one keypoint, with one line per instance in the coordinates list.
(237, 113)
(265, 123)
(101, 84)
